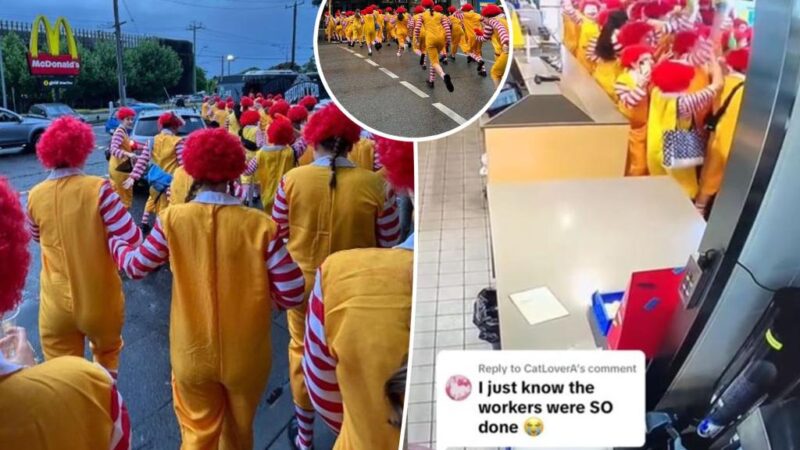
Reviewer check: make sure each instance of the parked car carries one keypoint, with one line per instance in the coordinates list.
(112, 123)
(145, 126)
(53, 111)
(20, 131)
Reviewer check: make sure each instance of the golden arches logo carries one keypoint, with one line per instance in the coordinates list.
(53, 36)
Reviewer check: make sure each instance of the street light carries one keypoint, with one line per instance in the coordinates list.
(230, 58)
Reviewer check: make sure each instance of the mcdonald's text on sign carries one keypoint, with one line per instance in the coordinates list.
(53, 63)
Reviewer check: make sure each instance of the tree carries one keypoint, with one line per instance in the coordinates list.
(310, 66)
(150, 68)
(202, 80)
(28, 89)
(97, 82)
(286, 66)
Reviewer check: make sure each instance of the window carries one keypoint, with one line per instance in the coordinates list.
(7, 117)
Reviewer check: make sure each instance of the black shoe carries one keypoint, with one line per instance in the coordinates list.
(378, 46)
(422, 60)
(146, 227)
(452, 58)
(424, 67)
(480, 66)
(369, 53)
(448, 82)
(470, 59)
(430, 84)
(482, 72)
(443, 61)
(291, 433)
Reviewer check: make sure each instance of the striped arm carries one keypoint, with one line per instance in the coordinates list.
(388, 222)
(501, 30)
(141, 163)
(448, 32)
(280, 210)
(569, 10)
(261, 138)
(409, 22)
(31, 227)
(376, 162)
(692, 103)
(319, 366)
(417, 28)
(179, 150)
(121, 431)
(251, 167)
(285, 277)
(138, 261)
(702, 53)
(630, 97)
(299, 147)
(117, 220)
(116, 142)
(591, 50)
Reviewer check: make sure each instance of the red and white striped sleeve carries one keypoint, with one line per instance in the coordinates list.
(299, 147)
(691, 103)
(141, 163)
(251, 167)
(502, 31)
(117, 220)
(121, 429)
(448, 32)
(417, 27)
(280, 210)
(31, 227)
(116, 143)
(376, 162)
(569, 10)
(138, 261)
(319, 366)
(591, 50)
(630, 96)
(179, 150)
(388, 221)
(261, 138)
(702, 52)
(285, 277)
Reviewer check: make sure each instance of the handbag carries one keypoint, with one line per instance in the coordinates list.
(125, 166)
(157, 178)
(684, 148)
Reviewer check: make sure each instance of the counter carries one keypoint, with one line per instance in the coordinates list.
(580, 236)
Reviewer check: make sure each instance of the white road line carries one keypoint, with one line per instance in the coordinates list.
(485, 59)
(413, 89)
(450, 113)
(359, 55)
(372, 63)
(388, 72)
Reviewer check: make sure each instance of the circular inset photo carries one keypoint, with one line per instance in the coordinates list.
(458, 387)
(413, 70)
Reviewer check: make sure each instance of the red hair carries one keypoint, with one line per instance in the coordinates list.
(451, 9)
(602, 18)
(14, 256)
(632, 54)
(684, 41)
(125, 112)
(634, 33)
(426, 3)
(466, 7)
(309, 102)
(67, 142)
(419, 9)
(491, 11)
(246, 102)
(297, 114)
(398, 159)
(613, 4)
(279, 107)
(400, 10)
(330, 122)
(220, 105)
(388, 9)
(656, 10)
(169, 120)
(438, 8)
(213, 155)
(738, 60)
(586, 3)
(672, 76)
(230, 104)
(636, 10)
(280, 132)
(249, 117)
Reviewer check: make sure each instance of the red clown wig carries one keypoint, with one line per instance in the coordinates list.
(419, 9)
(684, 42)
(297, 114)
(398, 159)
(125, 112)
(249, 117)
(738, 60)
(14, 256)
(632, 54)
(279, 107)
(220, 105)
(466, 7)
(438, 8)
(67, 142)
(491, 11)
(672, 76)
(426, 4)
(213, 156)
(170, 120)
(451, 9)
(308, 102)
(634, 33)
(280, 132)
(330, 122)
(246, 102)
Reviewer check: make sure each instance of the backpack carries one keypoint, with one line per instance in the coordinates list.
(157, 178)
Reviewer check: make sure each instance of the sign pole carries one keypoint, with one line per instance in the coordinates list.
(3, 76)
(120, 73)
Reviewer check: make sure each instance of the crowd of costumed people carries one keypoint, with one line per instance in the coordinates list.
(676, 70)
(432, 34)
(272, 207)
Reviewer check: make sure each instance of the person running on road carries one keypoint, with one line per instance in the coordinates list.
(369, 16)
(457, 28)
(273, 160)
(471, 45)
(123, 155)
(437, 38)
(495, 28)
(401, 30)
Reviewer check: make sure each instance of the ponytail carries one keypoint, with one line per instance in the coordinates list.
(192, 191)
(339, 147)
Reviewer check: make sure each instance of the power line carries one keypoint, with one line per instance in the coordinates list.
(222, 8)
(130, 16)
(193, 27)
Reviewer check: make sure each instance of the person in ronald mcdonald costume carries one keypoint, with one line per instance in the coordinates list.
(123, 152)
(64, 400)
(721, 140)
(221, 114)
(470, 44)
(338, 30)
(72, 215)
(356, 293)
(390, 20)
(437, 37)
(585, 20)
(329, 26)
(181, 182)
(363, 153)
(273, 159)
(673, 105)
(358, 28)
(325, 207)
(308, 102)
(220, 320)
(251, 137)
(604, 51)
(495, 28)
(457, 29)
(164, 154)
(632, 88)
(401, 30)
(370, 20)
(303, 153)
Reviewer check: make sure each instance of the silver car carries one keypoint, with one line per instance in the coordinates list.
(146, 125)
(20, 131)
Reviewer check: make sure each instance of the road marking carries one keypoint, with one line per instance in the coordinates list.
(414, 89)
(372, 63)
(358, 55)
(387, 72)
(450, 113)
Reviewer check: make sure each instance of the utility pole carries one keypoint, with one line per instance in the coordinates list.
(222, 66)
(193, 27)
(120, 72)
(3, 76)
(294, 26)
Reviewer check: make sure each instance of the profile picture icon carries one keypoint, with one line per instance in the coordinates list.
(533, 426)
(458, 387)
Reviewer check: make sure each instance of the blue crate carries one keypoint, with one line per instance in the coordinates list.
(598, 300)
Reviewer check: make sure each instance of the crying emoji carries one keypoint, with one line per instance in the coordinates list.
(533, 426)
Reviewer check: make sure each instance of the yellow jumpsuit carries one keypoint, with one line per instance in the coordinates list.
(264, 121)
(116, 177)
(606, 73)
(370, 34)
(720, 143)
(418, 44)
(367, 292)
(571, 34)
(435, 37)
(307, 157)
(457, 34)
(80, 289)
(204, 110)
(61, 404)
(500, 53)
(637, 134)
(389, 31)
(249, 133)
(233, 124)
(323, 221)
(220, 346)
(220, 116)
(588, 30)
(329, 26)
(164, 156)
(339, 29)
(470, 44)
(273, 163)
(379, 18)
(401, 30)
(180, 186)
(363, 154)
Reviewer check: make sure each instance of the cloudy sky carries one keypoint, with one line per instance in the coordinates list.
(257, 32)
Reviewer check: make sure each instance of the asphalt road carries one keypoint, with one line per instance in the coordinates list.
(144, 378)
(390, 94)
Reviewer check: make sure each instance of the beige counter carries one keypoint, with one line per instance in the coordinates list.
(580, 236)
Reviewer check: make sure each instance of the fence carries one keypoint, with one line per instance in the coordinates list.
(85, 36)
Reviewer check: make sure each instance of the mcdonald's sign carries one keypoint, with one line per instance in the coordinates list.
(53, 63)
